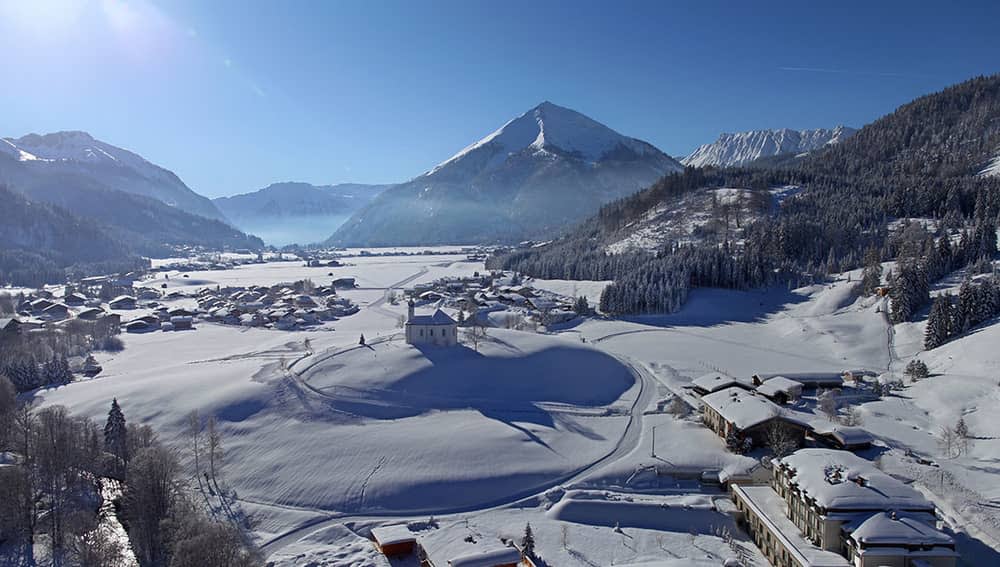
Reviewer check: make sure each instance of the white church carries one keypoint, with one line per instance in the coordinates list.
(438, 329)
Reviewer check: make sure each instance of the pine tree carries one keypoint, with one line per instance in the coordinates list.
(938, 324)
(116, 433)
(528, 542)
(871, 277)
(966, 306)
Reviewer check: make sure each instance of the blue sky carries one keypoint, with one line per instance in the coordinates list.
(234, 95)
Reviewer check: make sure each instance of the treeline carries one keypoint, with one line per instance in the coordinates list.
(951, 316)
(41, 243)
(919, 161)
(62, 464)
(41, 357)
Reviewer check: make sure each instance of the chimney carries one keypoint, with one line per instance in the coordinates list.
(409, 310)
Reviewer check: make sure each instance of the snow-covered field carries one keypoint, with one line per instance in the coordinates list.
(559, 430)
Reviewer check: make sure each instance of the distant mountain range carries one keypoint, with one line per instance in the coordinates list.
(140, 206)
(539, 173)
(787, 220)
(292, 212)
(742, 148)
(78, 155)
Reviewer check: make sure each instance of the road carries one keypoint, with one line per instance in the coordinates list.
(628, 442)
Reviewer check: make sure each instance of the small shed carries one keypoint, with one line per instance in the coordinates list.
(394, 540)
(809, 380)
(74, 299)
(716, 381)
(488, 556)
(780, 390)
(843, 437)
(122, 302)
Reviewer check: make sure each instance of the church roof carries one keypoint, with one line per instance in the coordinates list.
(438, 318)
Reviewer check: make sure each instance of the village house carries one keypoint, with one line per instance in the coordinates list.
(438, 329)
(10, 326)
(479, 554)
(745, 415)
(122, 302)
(91, 314)
(842, 437)
(55, 312)
(809, 380)
(827, 508)
(182, 322)
(780, 390)
(74, 299)
(39, 305)
(394, 541)
(715, 381)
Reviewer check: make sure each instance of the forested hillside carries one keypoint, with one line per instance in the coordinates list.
(39, 242)
(920, 161)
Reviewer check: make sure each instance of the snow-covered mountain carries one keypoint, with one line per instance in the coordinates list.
(283, 213)
(79, 155)
(537, 174)
(743, 147)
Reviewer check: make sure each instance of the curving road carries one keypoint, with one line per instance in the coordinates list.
(627, 443)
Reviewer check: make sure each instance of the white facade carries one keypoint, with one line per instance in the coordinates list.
(438, 329)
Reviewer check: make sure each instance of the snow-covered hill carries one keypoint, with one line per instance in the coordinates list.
(283, 213)
(744, 147)
(538, 173)
(79, 156)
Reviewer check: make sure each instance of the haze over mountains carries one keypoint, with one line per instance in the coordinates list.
(735, 149)
(79, 155)
(533, 177)
(128, 205)
(295, 212)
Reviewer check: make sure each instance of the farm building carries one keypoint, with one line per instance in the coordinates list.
(843, 437)
(394, 540)
(122, 302)
(715, 381)
(809, 380)
(780, 390)
(735, 411)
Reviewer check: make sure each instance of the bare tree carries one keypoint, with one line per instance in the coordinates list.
(194, 431)
(678, 407)
(210, 543)
(8, 409)
(96, 547)
(781, 438)
(149, 499)
(215, 451)
(476, 334)
(827, 403)
(948, 442)
(852, 417)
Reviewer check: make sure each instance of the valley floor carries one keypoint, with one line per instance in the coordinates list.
(563, 430)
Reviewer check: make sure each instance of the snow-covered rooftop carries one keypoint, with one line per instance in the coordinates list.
(842, 481)
(487, 557)
(438, 318)
(715, 381)
(768, 506)
(393, 535)
(779, 385)
(884, 529)
(740, 407)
